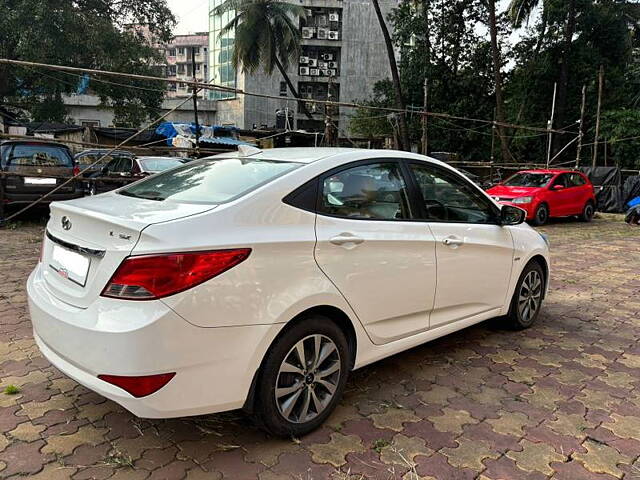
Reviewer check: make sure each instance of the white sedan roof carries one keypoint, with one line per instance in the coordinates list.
(293, 154)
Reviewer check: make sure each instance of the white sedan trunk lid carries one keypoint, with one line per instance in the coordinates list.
(87, 239)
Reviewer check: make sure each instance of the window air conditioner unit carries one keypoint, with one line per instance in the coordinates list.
(308, 12)
(327, 56)
(325, 72)
(322, 64)
(333, 35)
(333, 72)
(322, 34)
(313, 62)
(334, 17)
(304, 60)
(333, 64)
(307, 32)
(314, 72)
(304, 70)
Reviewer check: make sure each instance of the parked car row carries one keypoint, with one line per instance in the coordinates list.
(543, 194)
(41, 166)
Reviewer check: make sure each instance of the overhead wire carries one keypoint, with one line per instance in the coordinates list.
(238, 91)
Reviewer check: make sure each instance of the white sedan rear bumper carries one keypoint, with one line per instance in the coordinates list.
(214, 366)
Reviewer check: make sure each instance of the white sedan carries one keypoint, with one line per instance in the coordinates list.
(260, 279)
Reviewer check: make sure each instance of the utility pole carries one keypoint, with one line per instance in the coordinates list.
(550, 123)
(581, 132)
(425, 119)
(195, 101)
(595, 145)
(329, 129)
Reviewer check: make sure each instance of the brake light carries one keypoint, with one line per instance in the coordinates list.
(76, 170)
(149, 277)
(139, 386)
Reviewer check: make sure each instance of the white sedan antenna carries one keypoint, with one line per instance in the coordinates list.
(248, 150)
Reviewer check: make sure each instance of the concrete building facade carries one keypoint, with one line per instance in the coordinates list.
(87, 111)
(343, 56)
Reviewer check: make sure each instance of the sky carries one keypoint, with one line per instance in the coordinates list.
(192, 15)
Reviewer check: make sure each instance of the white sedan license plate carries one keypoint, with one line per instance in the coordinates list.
(39, 181)
(70, 265)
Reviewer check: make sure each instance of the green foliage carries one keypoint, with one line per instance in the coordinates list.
(621, 130)
(374, 123)
(380, 444)
(446, 41)
(11, 390)
(81, 33)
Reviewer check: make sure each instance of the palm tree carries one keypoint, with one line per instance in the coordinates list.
(405, 144)
(267, 35)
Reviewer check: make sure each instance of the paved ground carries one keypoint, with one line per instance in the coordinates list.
(561, 400)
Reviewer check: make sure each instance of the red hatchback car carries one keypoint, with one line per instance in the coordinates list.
(548, 193)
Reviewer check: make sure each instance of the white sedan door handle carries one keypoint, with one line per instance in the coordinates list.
(346, 238)
(453, 241)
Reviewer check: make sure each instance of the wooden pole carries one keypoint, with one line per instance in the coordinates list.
(550, 123)
(425, 120)
(595, 145)
(581, 132)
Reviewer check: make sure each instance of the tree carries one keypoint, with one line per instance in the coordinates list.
(496, 56)
(267, 35)
(81, 33)
(621, 130)
(439, 40)
(567, 11)
(405, 143)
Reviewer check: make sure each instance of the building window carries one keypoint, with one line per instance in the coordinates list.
(171, 87)
(181, 51)
(181, 69)
(197, 67)
(196, 50)
(171, 71)
(172, 52)
(221, 53)
(283, 89)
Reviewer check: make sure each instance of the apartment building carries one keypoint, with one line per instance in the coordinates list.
(178, 57)
(343, 55)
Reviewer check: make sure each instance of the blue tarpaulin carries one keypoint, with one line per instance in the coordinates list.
(214, 134)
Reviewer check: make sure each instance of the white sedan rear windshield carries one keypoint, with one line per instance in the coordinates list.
(209, 180)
